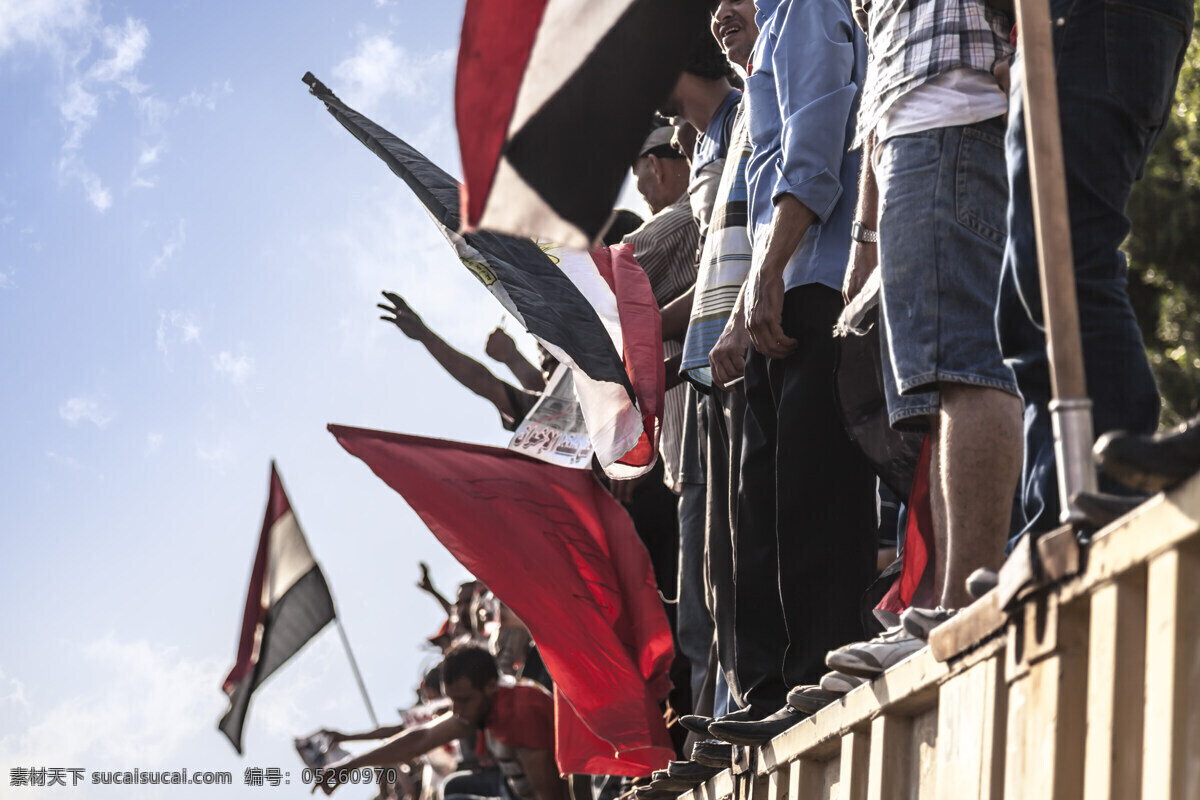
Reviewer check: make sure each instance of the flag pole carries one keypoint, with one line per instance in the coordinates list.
(357, 675)
(1070, 410)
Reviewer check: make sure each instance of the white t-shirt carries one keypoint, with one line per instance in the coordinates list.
(961, 96)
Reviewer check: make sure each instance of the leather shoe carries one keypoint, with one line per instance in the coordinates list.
(713, 754)
(691, 771)
(1101, 509)
(756, 733)
(1151, 463)
(699, 724)
(810, 699)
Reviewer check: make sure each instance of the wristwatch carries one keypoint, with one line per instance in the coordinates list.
(862, 234)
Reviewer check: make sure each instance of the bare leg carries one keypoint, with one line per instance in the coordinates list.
(937, 504)
(980, 444)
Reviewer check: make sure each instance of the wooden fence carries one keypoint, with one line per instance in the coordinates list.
(1088, 687)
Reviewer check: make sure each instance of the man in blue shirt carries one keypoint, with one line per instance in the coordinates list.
(805, 529)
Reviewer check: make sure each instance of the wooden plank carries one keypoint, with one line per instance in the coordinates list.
(1058, 554)
(854, 765)
(971, 717)
(1172, 733)
(889, 766)
(1116, 683)
(805, 778)
(977, 622)
(1163, 523)
(1047, 716)
(922, 753)
(778, 783)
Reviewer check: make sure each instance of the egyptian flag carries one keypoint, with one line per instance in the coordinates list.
(556, 548)
(552, 100)
(593, 310)
(288, 604)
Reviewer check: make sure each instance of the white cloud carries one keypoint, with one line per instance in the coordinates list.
(206, 100)
(85, 408)
(153, 701)
(216, 454)
(236, 368)
(380, 67)
(148, 156)
(99, 196)
(153, 443)
(170, 248)
(177, 327)
(127, 47)
(12, 691)
(7, 278)
(40, 23)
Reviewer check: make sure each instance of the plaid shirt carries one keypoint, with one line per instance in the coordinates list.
(914, 41)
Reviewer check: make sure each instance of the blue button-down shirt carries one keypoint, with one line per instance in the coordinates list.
(802, 97)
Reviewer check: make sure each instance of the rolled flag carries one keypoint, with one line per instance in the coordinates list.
(288, 603)
(552, 99)
(558, 550)
(593, 310)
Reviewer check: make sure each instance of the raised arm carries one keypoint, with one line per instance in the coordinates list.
(501, 347)
(464, 369)
(399, 749)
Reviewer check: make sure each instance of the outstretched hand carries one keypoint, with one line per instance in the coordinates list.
(397, 312)
(426, 583)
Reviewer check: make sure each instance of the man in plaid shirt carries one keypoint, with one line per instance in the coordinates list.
(931, 213)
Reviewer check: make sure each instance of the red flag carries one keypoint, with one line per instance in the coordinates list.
(561, 552)
(915, 585)
(288, 603)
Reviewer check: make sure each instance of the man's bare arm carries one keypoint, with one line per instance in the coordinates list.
(542, 773)
(464, 369)
(864, 256)
(675, 316)
(764, 286)
(400, 748)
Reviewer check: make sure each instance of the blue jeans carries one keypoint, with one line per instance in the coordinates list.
(942, 195)
(1117, 64)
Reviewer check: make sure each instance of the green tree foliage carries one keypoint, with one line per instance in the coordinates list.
(1164, 249)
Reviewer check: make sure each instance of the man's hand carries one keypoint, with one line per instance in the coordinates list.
(764, 313)
(501, 346)
(426, 583)
(333, 736)
(1003, 74)
(864, 257)
(727, 359)
(397, 312)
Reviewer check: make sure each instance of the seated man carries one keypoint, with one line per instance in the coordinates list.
(516, 719)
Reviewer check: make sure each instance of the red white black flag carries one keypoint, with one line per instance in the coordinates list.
(593, 310)
(288, 604)
(559, 551)
(552, 100)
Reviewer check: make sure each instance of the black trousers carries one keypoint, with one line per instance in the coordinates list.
(726, 412)
(805, 531)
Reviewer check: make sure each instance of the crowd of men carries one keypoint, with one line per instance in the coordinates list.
(812, 144)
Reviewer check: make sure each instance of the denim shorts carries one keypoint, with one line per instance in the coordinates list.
(942, 225)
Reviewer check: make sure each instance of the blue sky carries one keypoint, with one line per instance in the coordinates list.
(190, 253)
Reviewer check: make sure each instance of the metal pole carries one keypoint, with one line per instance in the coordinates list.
(1070, 410)
(357, 675)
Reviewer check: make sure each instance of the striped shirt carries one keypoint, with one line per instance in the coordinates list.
(724, 263)
(665, 246)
